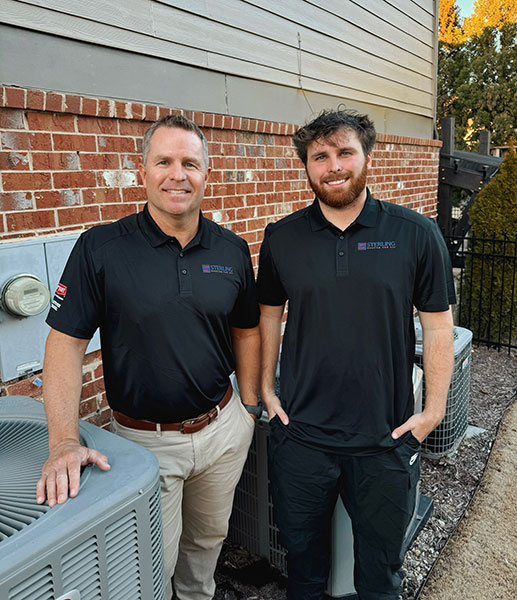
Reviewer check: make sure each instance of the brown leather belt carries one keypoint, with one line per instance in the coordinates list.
(187, 426)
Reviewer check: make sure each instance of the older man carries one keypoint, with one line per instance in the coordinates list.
(173, 294)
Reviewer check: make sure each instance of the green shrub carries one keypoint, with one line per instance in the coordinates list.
(489, 286)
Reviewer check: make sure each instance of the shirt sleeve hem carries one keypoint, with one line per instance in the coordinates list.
(71, 331)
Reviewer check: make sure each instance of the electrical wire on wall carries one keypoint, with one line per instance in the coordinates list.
(300, 71)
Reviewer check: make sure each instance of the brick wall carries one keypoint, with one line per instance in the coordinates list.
(70, 162)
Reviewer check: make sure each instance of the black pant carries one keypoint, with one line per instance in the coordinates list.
(379, 494)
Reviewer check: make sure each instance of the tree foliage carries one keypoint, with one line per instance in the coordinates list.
(489, 13)
(477, 84)
(488, 298)
(449, 31)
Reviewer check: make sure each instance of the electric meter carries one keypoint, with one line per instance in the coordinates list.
(24, 295)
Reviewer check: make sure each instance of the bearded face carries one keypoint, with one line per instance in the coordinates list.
(337, 168)
(341, 189)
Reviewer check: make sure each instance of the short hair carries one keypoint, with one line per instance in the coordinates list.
(173, 121)
(330, 121)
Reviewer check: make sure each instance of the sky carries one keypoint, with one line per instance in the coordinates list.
(465, 7)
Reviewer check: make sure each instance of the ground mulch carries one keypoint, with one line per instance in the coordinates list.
(469, 541)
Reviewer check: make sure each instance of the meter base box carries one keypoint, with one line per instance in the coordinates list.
(252, 525)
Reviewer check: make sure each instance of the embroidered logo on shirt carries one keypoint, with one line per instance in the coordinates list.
(217, 269)
(61, 290)
(376, 245)
(413, 458)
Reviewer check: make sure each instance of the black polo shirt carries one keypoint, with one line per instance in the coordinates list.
(165, 313)
(349, 344)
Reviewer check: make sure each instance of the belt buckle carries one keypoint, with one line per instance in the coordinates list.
(186, 422)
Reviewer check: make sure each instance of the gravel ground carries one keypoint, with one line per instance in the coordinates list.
(450, 481)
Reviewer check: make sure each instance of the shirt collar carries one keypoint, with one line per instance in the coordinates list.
(157, 237)
(367, 217)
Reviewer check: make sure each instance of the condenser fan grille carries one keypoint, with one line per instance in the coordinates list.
(23, 450)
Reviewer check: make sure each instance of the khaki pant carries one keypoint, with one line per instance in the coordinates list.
(198, 476)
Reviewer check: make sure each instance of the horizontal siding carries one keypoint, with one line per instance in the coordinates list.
(382, 54)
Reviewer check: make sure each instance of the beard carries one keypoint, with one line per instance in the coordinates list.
(341, 198)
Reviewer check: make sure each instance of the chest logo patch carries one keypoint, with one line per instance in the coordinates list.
(376, 245)
(61, 290)
(222, 269)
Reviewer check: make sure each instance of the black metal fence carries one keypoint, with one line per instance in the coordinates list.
(486, 285)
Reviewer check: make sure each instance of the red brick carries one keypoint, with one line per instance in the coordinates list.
(256, 224)
(245, 213)
(11, 118)
(233, 202)
(92, 388)
(100, 419)
(263, 211)
(112, 212)
(120, 109)
(22, 140)
(151, 113)
(48, 199)
(239, 226)
(245, 188)
(73, 104)
(50, 122)
(54, 102)
(55, 161)
(16, 201)
(83, 214)
(89, 106)
(74, 179)
(97, 125)
(103, 108)
(163, 111)
(255, 199)
(99, 371)
(26, 181)
(30, 220)
(97, 162)
(212, 204)
(265, 187)
(116, 144)
(134, 194)
(25, 387)
(15, 97)
(101, 195)
(134, 128)
(87, 407)
(78, 143)
(14, 161)
(138, 111)
(36, 99)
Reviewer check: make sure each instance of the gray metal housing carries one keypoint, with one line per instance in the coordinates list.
(106, 543)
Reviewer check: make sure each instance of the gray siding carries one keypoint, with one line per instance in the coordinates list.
(372, 54)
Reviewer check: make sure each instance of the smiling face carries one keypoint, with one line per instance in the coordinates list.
(174, 177)
(337, 168)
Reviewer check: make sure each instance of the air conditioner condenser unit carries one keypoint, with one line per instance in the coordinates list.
(104, 544)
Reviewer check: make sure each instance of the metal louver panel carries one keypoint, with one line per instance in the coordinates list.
(37, 587)
(21, 445)
(156, 543)
(80, 569)
(123, 561)
(100, 542)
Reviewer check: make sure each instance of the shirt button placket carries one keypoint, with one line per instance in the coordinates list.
(185, 280)
(342, 256)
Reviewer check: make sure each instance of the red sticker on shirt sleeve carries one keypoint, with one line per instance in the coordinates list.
(61, 290)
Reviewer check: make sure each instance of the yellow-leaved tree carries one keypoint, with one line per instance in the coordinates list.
(489, 13)
(449, 31)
